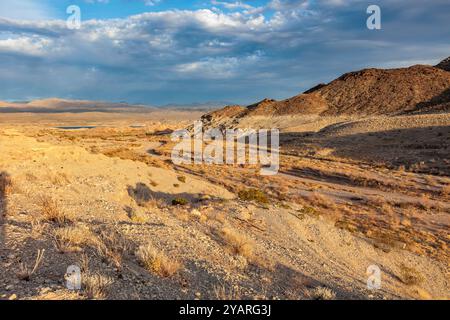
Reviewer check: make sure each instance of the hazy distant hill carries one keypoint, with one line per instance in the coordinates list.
(55, 105)
(202, 106)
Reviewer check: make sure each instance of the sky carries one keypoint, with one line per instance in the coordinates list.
(158, 52)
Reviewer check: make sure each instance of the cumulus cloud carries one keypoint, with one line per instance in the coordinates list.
(233, 50)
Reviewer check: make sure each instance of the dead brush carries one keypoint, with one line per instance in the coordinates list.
(445, 190)
(5, 184)
(73, 239)
(51, 212)
(238, 243)
(322, 293)
(410, 276)
(111, 246)
(25, 273)
(157, 261)
(222, 292)
(321, 200)
(59, 179)
(96, 286)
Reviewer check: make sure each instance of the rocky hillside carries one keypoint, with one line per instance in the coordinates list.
(444, 64)
(417, 89)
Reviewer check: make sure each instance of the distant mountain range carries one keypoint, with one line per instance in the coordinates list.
(55, 105)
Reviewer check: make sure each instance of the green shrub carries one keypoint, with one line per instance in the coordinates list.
(253, 195)
(179, 202)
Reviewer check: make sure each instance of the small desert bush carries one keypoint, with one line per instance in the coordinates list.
(157, 261)
(71, 239)
(96, 286)
(410, 276)
(445, 191)
(322, 293)
(309, 211)
(182, 179)
(424, 203)
(180, 202)
(50, 211)
(221, 292)
(137, 217)
(253, 195)
(5, 184)
(25, 272)
(322, 200)
(59, 179)
(238, 243)
(112, 246)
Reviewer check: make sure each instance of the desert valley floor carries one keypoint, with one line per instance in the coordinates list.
(350, 193)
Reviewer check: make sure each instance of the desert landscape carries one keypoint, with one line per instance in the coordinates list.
(364, 180)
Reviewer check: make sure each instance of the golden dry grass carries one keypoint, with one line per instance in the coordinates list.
(96, 286)
(5, 184)
(238, 243)
(50, 211)
(157, 261)
(69, 239)
(410, 276)
(222, 292)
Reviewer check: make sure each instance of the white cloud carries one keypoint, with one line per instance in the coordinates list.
(25, 10)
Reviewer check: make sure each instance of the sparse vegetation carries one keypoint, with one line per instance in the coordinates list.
(73, 238)
(157, 261)
(5, 184)
(322, 293)
(222, 292)
(179, 202)
(238, 243)
(96, 286)
(50, 211)
(410, 276)
(25, 272)
(253, 195)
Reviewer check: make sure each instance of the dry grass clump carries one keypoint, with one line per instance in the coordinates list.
(5, 184)
(238, 243)
(221, 292)
(410, 276)
(180, 202)
(59, 179)
(321, 200)
(50, 211)
(96, 286)
(322, 293)
(445, 191)
(157, 261)
(137, 217)
(253, 195)
(112, 246)
(25, 272)
(70, 239)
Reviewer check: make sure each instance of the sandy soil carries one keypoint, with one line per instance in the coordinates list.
(329, 214)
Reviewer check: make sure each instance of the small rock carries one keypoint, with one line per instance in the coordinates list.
(9, 287)
(13, 297)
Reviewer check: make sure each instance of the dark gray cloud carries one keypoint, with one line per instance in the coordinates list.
(241, 54)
